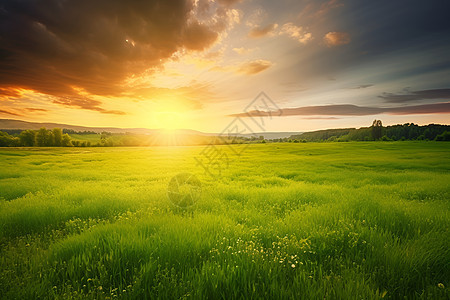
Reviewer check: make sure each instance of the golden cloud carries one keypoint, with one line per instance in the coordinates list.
(332, 39)
(296, 32)
(243, 50)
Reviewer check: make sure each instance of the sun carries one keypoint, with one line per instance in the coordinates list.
(169, 125)
(169, 121)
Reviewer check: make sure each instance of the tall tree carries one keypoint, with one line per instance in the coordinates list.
(41, 137)
(50, 139)
(66, 142)
(377, 129)
(57, 136)
(44, 138)
(28, 138)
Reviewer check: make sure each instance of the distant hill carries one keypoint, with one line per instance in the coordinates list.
(269, 135)
(10, 124)
(17, 124)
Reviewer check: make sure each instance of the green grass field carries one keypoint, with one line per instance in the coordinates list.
(363, 220)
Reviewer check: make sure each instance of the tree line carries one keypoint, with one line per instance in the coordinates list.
(407, 131)
(36, 138)
(56, 137)
(60, 138)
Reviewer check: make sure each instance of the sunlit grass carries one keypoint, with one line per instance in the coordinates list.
(303, 221)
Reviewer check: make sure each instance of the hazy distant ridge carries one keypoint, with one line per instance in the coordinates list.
(17, 124)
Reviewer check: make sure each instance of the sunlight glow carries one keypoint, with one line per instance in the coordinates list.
(169, 121)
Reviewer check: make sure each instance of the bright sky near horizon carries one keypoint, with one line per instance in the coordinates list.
(196, 64)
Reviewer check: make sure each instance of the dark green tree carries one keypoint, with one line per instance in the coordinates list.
(8, 141)
(50, 139)
(28, 138)
(57, 136)
(45, 138)
(66, 141)
(42, 137)
(444, 136)
(377, 129)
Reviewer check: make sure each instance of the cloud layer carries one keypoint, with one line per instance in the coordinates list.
(254, 67)
(85, 103)
(7, 112)
(259, 32)
(442, 94)
(94, 45)
(353, 110)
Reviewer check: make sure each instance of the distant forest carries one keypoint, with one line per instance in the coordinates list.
(35, 138)
(408, 131)
(43, 137)
(62, 137)
(70, 138)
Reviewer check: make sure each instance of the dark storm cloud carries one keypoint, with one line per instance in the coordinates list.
(401, 37)
(331, 110)
(52, 46)
(442, 94)
(353, 110)
(435, 108)
(391, 25)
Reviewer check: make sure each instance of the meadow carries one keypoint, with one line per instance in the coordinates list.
(356, 220)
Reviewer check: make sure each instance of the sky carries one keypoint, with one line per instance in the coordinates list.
(202, 64)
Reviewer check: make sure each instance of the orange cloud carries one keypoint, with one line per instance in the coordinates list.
(96, 46)
(296, 32)
(7, 112)
(10, 92)
(85, 103)
(36, 109)
(332, 39)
